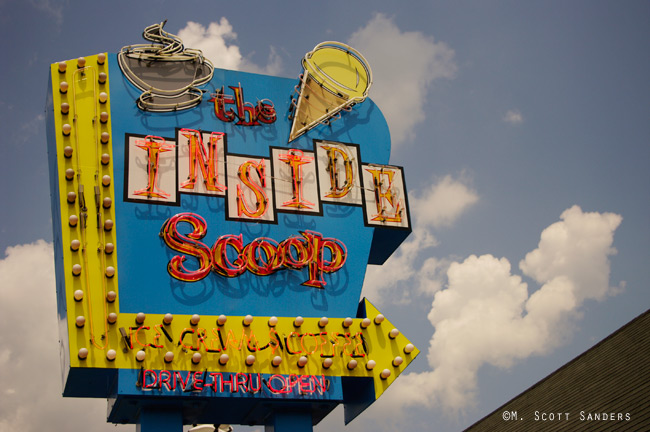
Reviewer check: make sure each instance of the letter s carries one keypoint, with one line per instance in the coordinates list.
(188, 244)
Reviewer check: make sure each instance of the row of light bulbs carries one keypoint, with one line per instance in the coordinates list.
(71, 197)
(250, 360)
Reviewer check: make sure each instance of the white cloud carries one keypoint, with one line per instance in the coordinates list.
(443, 202)
(513, 117)
(486, 316)
(30, 371)
(578, 247)
(404, 65)
(437, 206)
(217, 41)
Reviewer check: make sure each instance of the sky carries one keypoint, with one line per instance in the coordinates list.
(523, 129)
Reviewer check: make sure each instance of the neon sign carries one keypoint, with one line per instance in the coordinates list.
(290, 180)
(293, 201)
(246, 113)
(322, 344)
(262, 257)
(219, 383)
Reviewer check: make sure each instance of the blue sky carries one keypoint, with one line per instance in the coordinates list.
(523, 130)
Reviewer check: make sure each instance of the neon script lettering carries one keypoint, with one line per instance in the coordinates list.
(263, 256)
(323, 344)
(245, 113)
(225, 382)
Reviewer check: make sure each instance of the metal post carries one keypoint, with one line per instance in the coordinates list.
(160, 419)
(290, 421)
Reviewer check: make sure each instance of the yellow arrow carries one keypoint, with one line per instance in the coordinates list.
(367, 346)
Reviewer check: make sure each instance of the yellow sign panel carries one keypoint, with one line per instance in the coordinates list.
(357, 347)
(82, 126)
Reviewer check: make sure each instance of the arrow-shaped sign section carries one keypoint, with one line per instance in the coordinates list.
(368, 352)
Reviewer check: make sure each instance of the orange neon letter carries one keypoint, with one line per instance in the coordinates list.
(381, 194)
(261, 203)
(337, 191)
(153, 145)
(295, 159)
(198, 157)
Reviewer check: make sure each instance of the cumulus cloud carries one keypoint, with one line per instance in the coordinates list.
(217, 41)
(30, 372)
(513, 117)
(439, 205)
(443, 202)
(485, 314)
(405, 65)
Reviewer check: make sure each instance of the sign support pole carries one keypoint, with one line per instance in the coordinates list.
(160, 419)
(290, 421)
